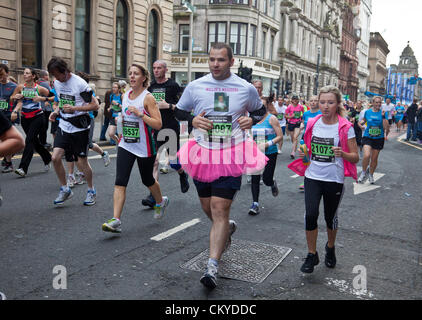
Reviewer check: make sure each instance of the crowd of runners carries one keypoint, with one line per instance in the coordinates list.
(234, 131)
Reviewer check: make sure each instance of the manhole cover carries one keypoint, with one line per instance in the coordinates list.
(245, 260)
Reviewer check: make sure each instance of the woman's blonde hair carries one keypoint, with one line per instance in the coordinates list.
(341, 110)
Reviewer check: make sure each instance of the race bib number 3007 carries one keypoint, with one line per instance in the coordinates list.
(322, 149)
(222, 127)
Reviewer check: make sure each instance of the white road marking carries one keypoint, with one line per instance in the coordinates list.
(295, 176)
(362, 188)
(171, 232)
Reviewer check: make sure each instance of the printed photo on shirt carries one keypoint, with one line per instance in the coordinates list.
(221, 102)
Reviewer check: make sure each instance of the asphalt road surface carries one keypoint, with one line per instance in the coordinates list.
(44, 249)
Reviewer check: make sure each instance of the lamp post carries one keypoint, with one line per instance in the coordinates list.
(190, 9)
(317, 70)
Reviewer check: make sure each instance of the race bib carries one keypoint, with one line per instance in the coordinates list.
(297, 114)
(29, 93)
(280, 116)
(222, 127)
(259, 136)
(66, 99)
(116, 108)
(4, 105)
(159, 95)
(131, 131)
(322, 149)
(374, 132)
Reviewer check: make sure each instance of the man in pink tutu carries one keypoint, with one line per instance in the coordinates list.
(220, 152)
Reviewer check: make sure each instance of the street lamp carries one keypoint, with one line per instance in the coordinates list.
(317, 70)
(190, 9)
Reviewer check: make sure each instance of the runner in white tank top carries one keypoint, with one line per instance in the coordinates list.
(140, 117)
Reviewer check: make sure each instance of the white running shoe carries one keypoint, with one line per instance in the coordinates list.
(106, 158)
(159, 210)
(371, 178)
(71, 181)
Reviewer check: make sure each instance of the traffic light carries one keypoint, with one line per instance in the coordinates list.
(245, 73)
(288, 87)
(277, 85)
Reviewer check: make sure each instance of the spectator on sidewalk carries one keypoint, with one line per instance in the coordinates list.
(419, 123)
(411, 118)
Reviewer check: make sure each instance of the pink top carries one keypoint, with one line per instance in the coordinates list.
(297, 112)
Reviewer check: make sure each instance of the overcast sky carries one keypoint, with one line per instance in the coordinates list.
(399, 21)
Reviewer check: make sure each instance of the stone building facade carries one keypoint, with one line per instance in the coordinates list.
(99, 37)
(378, 51)
(349, 82)
(278, 39)
(365, 14)
(408, 67)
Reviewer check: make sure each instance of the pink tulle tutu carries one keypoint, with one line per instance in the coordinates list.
(207, 165)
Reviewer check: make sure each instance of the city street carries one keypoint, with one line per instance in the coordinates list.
(380, 235)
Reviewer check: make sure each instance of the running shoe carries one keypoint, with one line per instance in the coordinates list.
(8, 168)
(274, 189)
(292, 156)
(248, 179)
(159, 210)
(184, 182)
(310, 262)
(71, 181)
(106, 158)
(47, 167)
(149, 201)
(232, 229)
(64, 194)
(2, 296)
(330, 256)
(209, 279)
(112, 225)
(254, 210)
(91, 196)
(363, 176)
(20, 172)
(371, 178)
(79, 178)
(164, 170)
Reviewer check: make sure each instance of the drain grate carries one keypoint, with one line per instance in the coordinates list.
(245, 260)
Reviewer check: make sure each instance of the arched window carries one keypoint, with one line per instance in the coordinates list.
(82, 35)
(153, 31)
(122, 18)
(31, 33)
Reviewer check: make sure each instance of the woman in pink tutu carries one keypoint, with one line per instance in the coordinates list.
(220, 152)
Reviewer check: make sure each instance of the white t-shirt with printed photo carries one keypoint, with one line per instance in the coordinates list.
(203, 95)
(324, 165)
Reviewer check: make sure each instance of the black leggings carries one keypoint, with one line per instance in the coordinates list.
(32, 128)
(124, 165)
(332, 193)
(267, 176)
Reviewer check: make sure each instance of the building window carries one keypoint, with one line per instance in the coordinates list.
(228, 1)
(265, 6)
(272, 9)
(31, 33)
(252, 41)
(152, 38)
(82, 35)
(238, 38)
(254, 3)
(264, 44)
(184, 30)
(272, 47)
(217, 32)
(121, 39)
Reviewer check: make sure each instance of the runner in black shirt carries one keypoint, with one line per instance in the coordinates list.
(167, 92)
